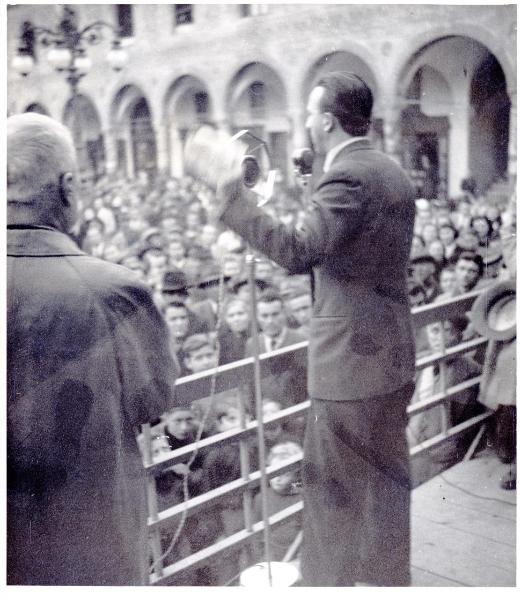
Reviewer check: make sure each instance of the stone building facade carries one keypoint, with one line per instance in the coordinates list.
(443, 76)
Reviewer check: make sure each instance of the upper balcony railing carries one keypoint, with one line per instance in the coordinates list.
(235, 374)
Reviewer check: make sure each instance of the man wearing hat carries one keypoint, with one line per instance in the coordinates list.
(175, 290)
(87, 363)
(494, 316)
(424, 272)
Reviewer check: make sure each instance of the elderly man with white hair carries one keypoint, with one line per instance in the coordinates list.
(87, 364)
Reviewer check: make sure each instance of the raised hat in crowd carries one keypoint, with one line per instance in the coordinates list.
(175, 281)
(494, 312)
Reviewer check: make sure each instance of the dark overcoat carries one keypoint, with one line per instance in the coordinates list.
(87, 363)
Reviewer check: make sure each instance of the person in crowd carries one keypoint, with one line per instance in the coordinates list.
(429, 233)
(448, 281)
(282, 379)
(176, 254)
(175, 289)
(200, 352)
(425, 273)
(483, 229)
(284, 490)
(417, 245)
(467, 241)
(462, 406)
(178, 321)
(235, 330)
(87, 364)
(223, 465)
(298, 305)
(356, 520)
(448, 235)
(437, 251)
(468, 270)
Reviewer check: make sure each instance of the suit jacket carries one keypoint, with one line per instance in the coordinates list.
(356, 240)
(284, 378)
(87, 363)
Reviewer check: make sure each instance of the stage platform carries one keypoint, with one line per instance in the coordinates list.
(464, 527)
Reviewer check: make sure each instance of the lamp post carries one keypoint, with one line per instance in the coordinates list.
(68, 55)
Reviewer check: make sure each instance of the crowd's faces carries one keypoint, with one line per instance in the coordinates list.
(283, 483)
(230, 420)
(447, 236)
(181, 424)
(237, 317)
(202, 359)
(176, 318)
(160, 447)
(437, 250)
(156, 260)
(480, 226)
(232, 265)
(417, 298)
(439, 334)
(468, 240)
(423, 272)
(271, 318)
(176, 251)
(192, 268)
(429, 233)
(467, 274)
(448, 283)
(208, 235)
(263, 270)
(300, 308)
(417, 245)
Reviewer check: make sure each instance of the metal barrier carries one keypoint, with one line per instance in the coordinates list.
(235, 374)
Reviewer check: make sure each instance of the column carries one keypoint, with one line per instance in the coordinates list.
(160, 131)
(391, 129)
(111, 151)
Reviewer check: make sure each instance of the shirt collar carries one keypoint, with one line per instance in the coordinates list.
(333, 153)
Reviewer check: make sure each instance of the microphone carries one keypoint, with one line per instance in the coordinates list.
(302, 159)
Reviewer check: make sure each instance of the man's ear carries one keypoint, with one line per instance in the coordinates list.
(67, 184)
(328, 121)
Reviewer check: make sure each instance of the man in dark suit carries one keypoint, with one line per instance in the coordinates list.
(356, 241)
(282, 379)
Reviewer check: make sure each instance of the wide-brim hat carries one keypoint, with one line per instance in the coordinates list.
(494, 312)
(175, 281)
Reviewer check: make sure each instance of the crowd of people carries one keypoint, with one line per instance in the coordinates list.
(198, 275)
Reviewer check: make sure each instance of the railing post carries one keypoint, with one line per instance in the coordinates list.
(155, 536)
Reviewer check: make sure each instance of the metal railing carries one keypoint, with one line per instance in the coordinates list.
(236, 374)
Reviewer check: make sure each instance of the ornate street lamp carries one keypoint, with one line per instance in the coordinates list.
(67, 43)
(68, 53)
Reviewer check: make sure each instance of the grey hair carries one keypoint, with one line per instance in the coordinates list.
(39, 150)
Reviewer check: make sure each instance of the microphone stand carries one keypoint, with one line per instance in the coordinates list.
(250, 263)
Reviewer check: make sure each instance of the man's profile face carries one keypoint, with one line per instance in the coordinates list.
(181, 424)
(314, 121)
(201, 359)
(300, 308)
(467, 274)
(271, 317)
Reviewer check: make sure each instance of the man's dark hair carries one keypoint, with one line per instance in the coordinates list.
(476, 258)
(270, 296)
(349, 99)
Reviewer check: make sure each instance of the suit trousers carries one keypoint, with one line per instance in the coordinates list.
(356, 491)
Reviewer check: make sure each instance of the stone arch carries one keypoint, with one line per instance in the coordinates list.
(82, 118)
(442, 116)
(131, 116)
(187, 104)
(256, 98)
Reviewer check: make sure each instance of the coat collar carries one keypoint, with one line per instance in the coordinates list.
(40, 241)
(359, 143)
